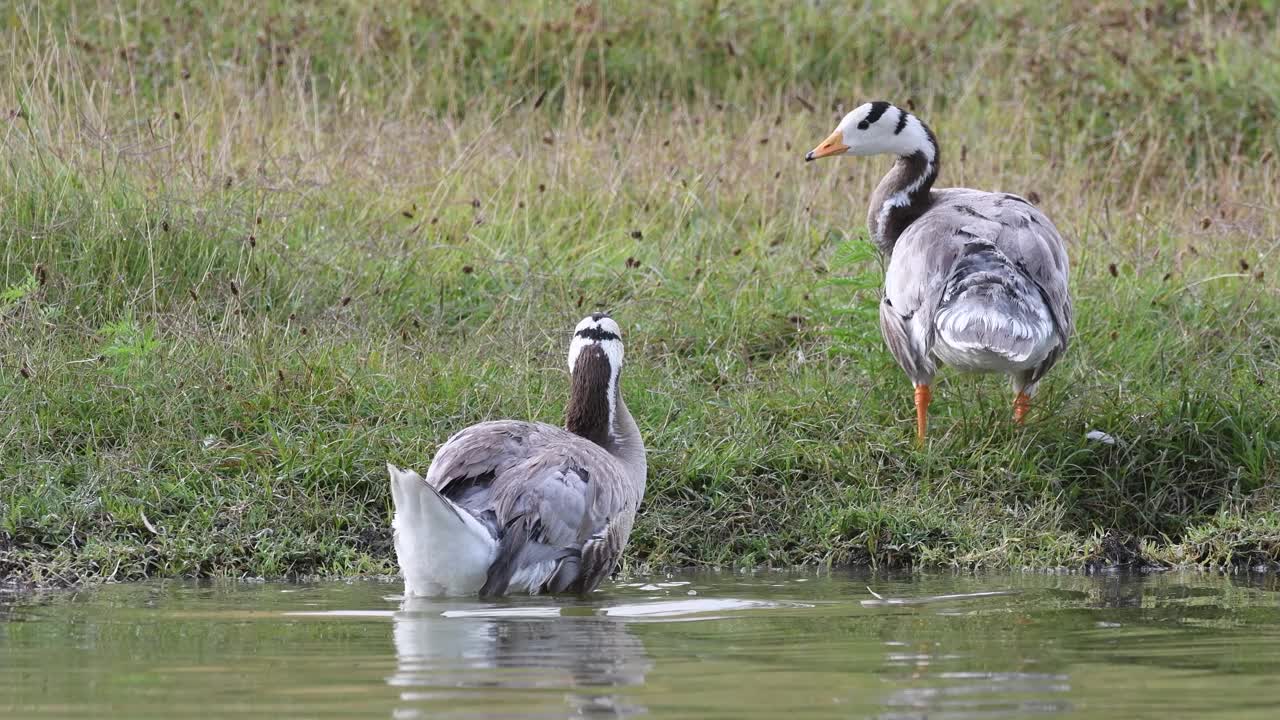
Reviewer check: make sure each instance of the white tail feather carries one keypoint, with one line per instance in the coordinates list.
(442, 549)
(973, 335)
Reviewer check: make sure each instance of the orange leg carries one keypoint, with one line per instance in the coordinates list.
(923, 396)
(1021, 405)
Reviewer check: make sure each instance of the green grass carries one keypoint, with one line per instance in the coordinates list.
(249, 255)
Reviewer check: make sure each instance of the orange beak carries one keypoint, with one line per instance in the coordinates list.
(833, 145)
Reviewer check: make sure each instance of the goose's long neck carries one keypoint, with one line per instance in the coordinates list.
(597, 412)
(904, 194)
(626, 444)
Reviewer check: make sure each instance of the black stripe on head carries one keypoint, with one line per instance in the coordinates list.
(878, 108)
(596, 333)
(902, 121)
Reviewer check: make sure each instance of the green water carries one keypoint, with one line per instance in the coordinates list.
(691, 646)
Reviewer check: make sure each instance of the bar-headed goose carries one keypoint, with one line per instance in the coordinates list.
(976, 280)
(511, 506)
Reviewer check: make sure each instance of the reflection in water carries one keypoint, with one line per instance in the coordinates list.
(1115, 590)
(957, 695)
(933, 687)
(443, 659)
(942, 679)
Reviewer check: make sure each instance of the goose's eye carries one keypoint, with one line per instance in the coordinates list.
(864, 125)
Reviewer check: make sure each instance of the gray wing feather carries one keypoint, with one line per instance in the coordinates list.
(909, 338)
(600, 554)
(1032, 241)
(1036, 247)
(606, 527)
(488, 448)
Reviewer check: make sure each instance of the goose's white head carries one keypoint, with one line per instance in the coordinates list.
(877, 128)
(597, 329)
(595, 364)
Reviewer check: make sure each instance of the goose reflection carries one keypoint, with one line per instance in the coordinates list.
(457, 659)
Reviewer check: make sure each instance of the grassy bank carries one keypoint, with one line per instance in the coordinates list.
(247, 256)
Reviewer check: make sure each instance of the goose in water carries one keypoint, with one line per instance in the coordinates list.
(512, 506)
(976, 280)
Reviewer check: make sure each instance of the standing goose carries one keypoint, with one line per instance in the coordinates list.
(512, 506)
(976, 280)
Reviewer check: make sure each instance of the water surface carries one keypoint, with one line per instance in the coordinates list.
(711, 645)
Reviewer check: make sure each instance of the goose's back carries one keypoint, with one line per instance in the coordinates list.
(930, 247)
(539, 486)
